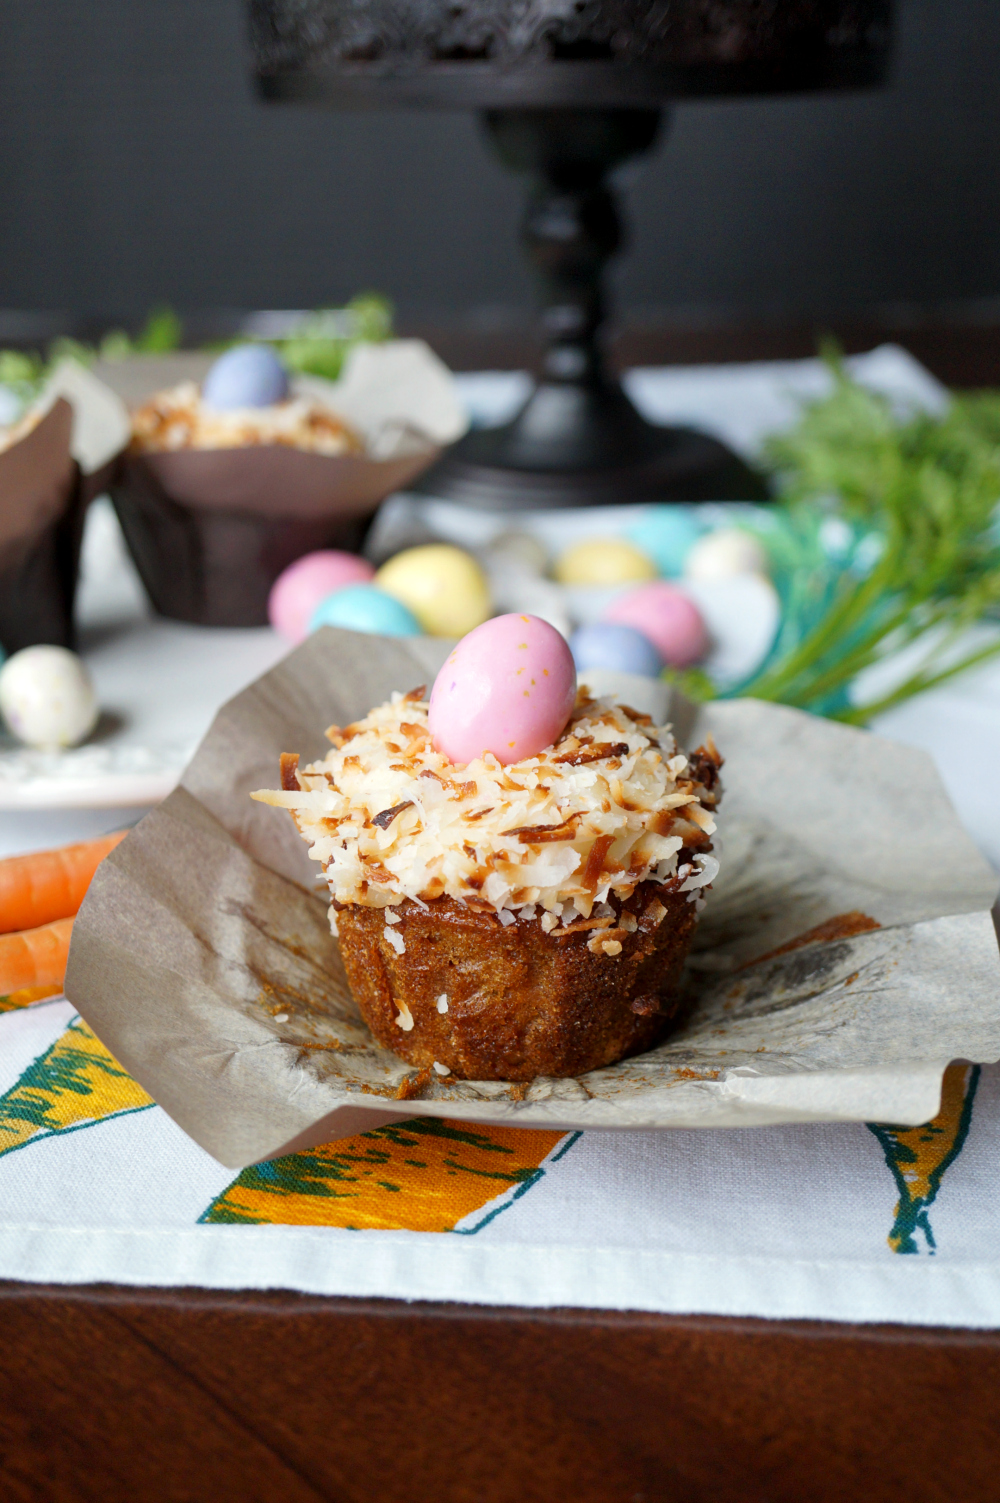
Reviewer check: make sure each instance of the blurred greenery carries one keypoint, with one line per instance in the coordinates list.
(320, 344)
(317, 345)
(885, 549)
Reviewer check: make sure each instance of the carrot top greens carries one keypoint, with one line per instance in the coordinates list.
(885, 544)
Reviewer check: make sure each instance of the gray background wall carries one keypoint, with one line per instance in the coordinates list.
(137, 167)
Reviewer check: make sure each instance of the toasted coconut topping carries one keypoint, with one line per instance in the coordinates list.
(178, 419)
(612, 804)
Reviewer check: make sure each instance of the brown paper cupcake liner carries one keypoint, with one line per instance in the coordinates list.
(211, 530)
(42, 506)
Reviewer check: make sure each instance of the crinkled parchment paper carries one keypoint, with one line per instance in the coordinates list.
(202, 955)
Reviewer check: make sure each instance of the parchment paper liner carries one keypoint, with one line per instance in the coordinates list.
(201, 927)
(211, 530)
(47, 480)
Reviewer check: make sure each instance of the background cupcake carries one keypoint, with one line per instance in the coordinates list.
(228, 481)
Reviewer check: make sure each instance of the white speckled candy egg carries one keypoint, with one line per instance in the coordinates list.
(722, 554)
(47, 698)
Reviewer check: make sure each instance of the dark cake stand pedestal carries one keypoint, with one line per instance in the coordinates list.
(568, 94)
(578, 440)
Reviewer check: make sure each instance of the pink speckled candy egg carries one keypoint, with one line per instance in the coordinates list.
(508, 687)
(668, 617)
(297, 592)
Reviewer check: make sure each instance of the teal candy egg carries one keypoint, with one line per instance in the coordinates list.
(363, 607)
(667, 534)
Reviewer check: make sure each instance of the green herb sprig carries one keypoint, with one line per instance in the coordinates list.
(885, 539)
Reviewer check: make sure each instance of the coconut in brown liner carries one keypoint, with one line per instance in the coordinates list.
(211, 528)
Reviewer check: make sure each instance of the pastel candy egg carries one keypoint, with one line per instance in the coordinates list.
(47, 698)
(442, 585)
(725, 553)
(517, 550)
(297, 592)
(362, 607)
(667, 534)
(611, 644)
(668, 617)
(508, 688)
(249, 375)
(603, 561)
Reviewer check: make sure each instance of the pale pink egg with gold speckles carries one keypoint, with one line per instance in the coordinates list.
(668, 617)
(508, 688)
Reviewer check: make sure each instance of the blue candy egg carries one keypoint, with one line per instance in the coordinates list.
(362, 607)
(250, 375)
(667, 534)
(610, 645)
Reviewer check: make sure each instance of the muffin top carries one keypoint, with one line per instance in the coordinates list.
(179, 419)
(613, 803)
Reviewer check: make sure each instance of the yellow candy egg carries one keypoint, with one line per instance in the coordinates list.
(443, 586)
(604, 561)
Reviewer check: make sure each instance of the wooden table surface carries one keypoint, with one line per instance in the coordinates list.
(111, 1394)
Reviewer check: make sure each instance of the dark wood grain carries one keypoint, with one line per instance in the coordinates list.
(112, 1394)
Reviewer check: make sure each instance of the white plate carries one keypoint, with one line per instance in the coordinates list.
(159, 684)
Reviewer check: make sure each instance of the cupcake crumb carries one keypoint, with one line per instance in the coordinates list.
(442, 1002)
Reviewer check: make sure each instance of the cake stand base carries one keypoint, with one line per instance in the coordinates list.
(575, 445)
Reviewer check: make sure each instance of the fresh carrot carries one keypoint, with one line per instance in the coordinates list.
(34, 957)
(48, 885)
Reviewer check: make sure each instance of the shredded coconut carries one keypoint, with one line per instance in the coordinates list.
(441, 1069)
(396, 940)
(613, 803)
(404, 1018)
(442, 1002)
(178, 419)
